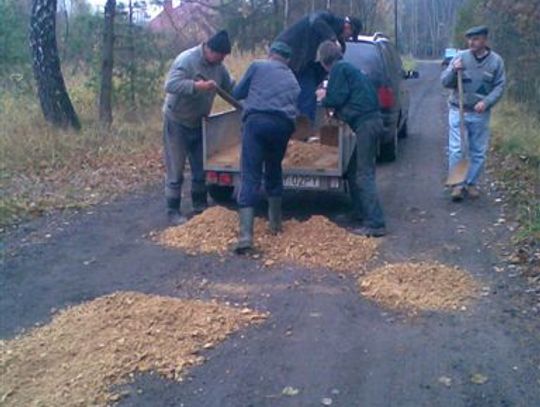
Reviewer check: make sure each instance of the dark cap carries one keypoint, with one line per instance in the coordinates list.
(282, 49)
(220, 42)
(356, 24)
(480, 30)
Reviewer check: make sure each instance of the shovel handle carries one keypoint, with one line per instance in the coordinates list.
(461, 109)
(224, 94)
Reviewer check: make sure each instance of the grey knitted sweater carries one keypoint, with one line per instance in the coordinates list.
(482, 80)
(183, 103)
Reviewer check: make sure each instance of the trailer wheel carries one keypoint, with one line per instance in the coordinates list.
(221, 193)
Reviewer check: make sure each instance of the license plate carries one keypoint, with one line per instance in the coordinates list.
(301, 181)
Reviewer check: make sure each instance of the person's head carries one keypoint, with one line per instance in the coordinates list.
(280, 51)
(352, 27)
(328, 54)
(217, 48)
(477, 38)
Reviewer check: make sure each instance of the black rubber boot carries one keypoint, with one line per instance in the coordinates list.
(199, 201)
(245, 238)
(173, 212)
(274, 215)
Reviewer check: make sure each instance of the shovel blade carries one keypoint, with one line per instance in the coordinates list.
(458, 174)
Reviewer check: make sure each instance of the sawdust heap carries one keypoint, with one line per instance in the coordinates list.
(299, 155)
(75, 359)
(316, 242)
(421, 286)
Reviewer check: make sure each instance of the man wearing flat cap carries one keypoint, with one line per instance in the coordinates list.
(483, 86)
(270, 93)
(191, 89)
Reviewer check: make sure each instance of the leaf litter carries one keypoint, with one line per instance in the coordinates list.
(316, 242)
(423, 286)
(86, 349)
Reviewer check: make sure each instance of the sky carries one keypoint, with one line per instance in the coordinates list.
(152, 10)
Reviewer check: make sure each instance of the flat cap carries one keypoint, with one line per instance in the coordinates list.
(281, 48)
(480, 30)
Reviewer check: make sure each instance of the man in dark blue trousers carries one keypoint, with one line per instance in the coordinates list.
(270, 90)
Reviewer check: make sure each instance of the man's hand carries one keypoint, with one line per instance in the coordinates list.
(458, 64)
(321, 94)
(480, 107)
(205, 86)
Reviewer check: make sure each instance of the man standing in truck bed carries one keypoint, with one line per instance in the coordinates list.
(189, 99)
(304, 37)
(483, 86)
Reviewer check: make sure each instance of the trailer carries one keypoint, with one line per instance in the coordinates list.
(319, 165)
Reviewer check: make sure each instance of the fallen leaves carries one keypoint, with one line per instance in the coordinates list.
(290, 391)
(479, 378)
(316, 242)
(86, 349)
(419, 287)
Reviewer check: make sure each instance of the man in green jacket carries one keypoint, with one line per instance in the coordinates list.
(354, 99)
(189, 99)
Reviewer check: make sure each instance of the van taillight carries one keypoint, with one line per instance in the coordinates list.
(212, 177)
(225, 179)
(386, 97)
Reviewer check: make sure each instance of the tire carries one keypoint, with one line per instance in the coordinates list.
(220, 193)
(403, 132)
(388, 151)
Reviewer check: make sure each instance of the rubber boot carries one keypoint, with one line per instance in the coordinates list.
(245, 238)
(274, 215)
(173, 212)
(199, 202)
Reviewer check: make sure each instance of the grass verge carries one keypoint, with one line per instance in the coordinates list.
(43, 168)
(517, 147)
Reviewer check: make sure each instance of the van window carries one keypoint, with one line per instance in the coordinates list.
(366, 57)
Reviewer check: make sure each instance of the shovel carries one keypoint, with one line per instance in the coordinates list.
(226, 96)
(458, 173)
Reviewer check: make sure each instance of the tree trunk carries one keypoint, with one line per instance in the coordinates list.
(107, 61)
(53, 97)
(131, 50)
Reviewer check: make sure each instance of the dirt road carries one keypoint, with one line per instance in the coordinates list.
(321, 338)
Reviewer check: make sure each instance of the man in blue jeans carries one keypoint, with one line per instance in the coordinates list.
(270, 91)
(483, 86)
(352, 96)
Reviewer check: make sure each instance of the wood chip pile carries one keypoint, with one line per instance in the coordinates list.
(316, 242)
(299, 155)
(415, 287)
(75, 359)
(307, 155)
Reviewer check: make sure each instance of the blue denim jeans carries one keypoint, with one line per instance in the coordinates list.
(264, 142)
(478, 135)
(309, 79)
(181, 143)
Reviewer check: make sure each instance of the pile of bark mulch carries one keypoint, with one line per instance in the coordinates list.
(305, 155)
(316, 242)
(415, 287)
(86, 349)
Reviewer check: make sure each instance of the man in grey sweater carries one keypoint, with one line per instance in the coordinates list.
(483, 86)
(189, 98)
